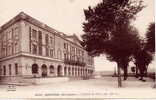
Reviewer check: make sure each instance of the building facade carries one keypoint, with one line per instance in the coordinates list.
(29, 48)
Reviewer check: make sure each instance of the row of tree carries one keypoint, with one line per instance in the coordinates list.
(108, 31)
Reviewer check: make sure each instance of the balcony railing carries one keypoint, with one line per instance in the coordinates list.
(72, 62)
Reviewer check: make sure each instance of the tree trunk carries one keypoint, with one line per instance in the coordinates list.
(125, 73)
(146, 71)
(136, 74)
(119, 75)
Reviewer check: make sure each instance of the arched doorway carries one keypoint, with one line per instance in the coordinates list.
(51, 68)
(59, 70)
(34, 69)
(44, 70)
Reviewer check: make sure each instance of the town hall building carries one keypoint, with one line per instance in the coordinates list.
(30, 48)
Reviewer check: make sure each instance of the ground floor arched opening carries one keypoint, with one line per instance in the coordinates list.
(34, 69)
(44, 70)
(59, 70)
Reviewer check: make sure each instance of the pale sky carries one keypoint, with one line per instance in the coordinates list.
(67, 16)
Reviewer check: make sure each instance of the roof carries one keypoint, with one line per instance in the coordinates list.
(74, 39)
(24, 16)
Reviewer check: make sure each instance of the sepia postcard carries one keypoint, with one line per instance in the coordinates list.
(84, 49)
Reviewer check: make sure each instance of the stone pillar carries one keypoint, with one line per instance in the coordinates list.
(55, 71)
(78, 71)
(48, 70)
(67, 71)
(75, 71)
(82, 71)
(39, 71)
(62, 67)
(19, 70)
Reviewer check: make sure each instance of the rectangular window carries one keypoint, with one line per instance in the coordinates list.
(9, 51)
(67, 46)
(9, 35)
(64, 45)
(3, 51)
(34, 34)
(65, 56)
(74, 51)
(4, 70)
(9, 69)
(16, 68)
(47, 39)
(40, 50)
(16, 31)
(51, 41)
(73, 58)
(12, 48)
(47, 51)
(30, 39)
(34, 49)
(12, 35)
(6, 51)
(40, 42)
(47, 43)
(6, 36)
(16, 48)
(52, 53)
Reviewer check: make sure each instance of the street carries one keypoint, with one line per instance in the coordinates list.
(96, 87)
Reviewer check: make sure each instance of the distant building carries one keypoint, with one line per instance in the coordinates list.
(29, 48)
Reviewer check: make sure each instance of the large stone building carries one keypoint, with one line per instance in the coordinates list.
(29, 48)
